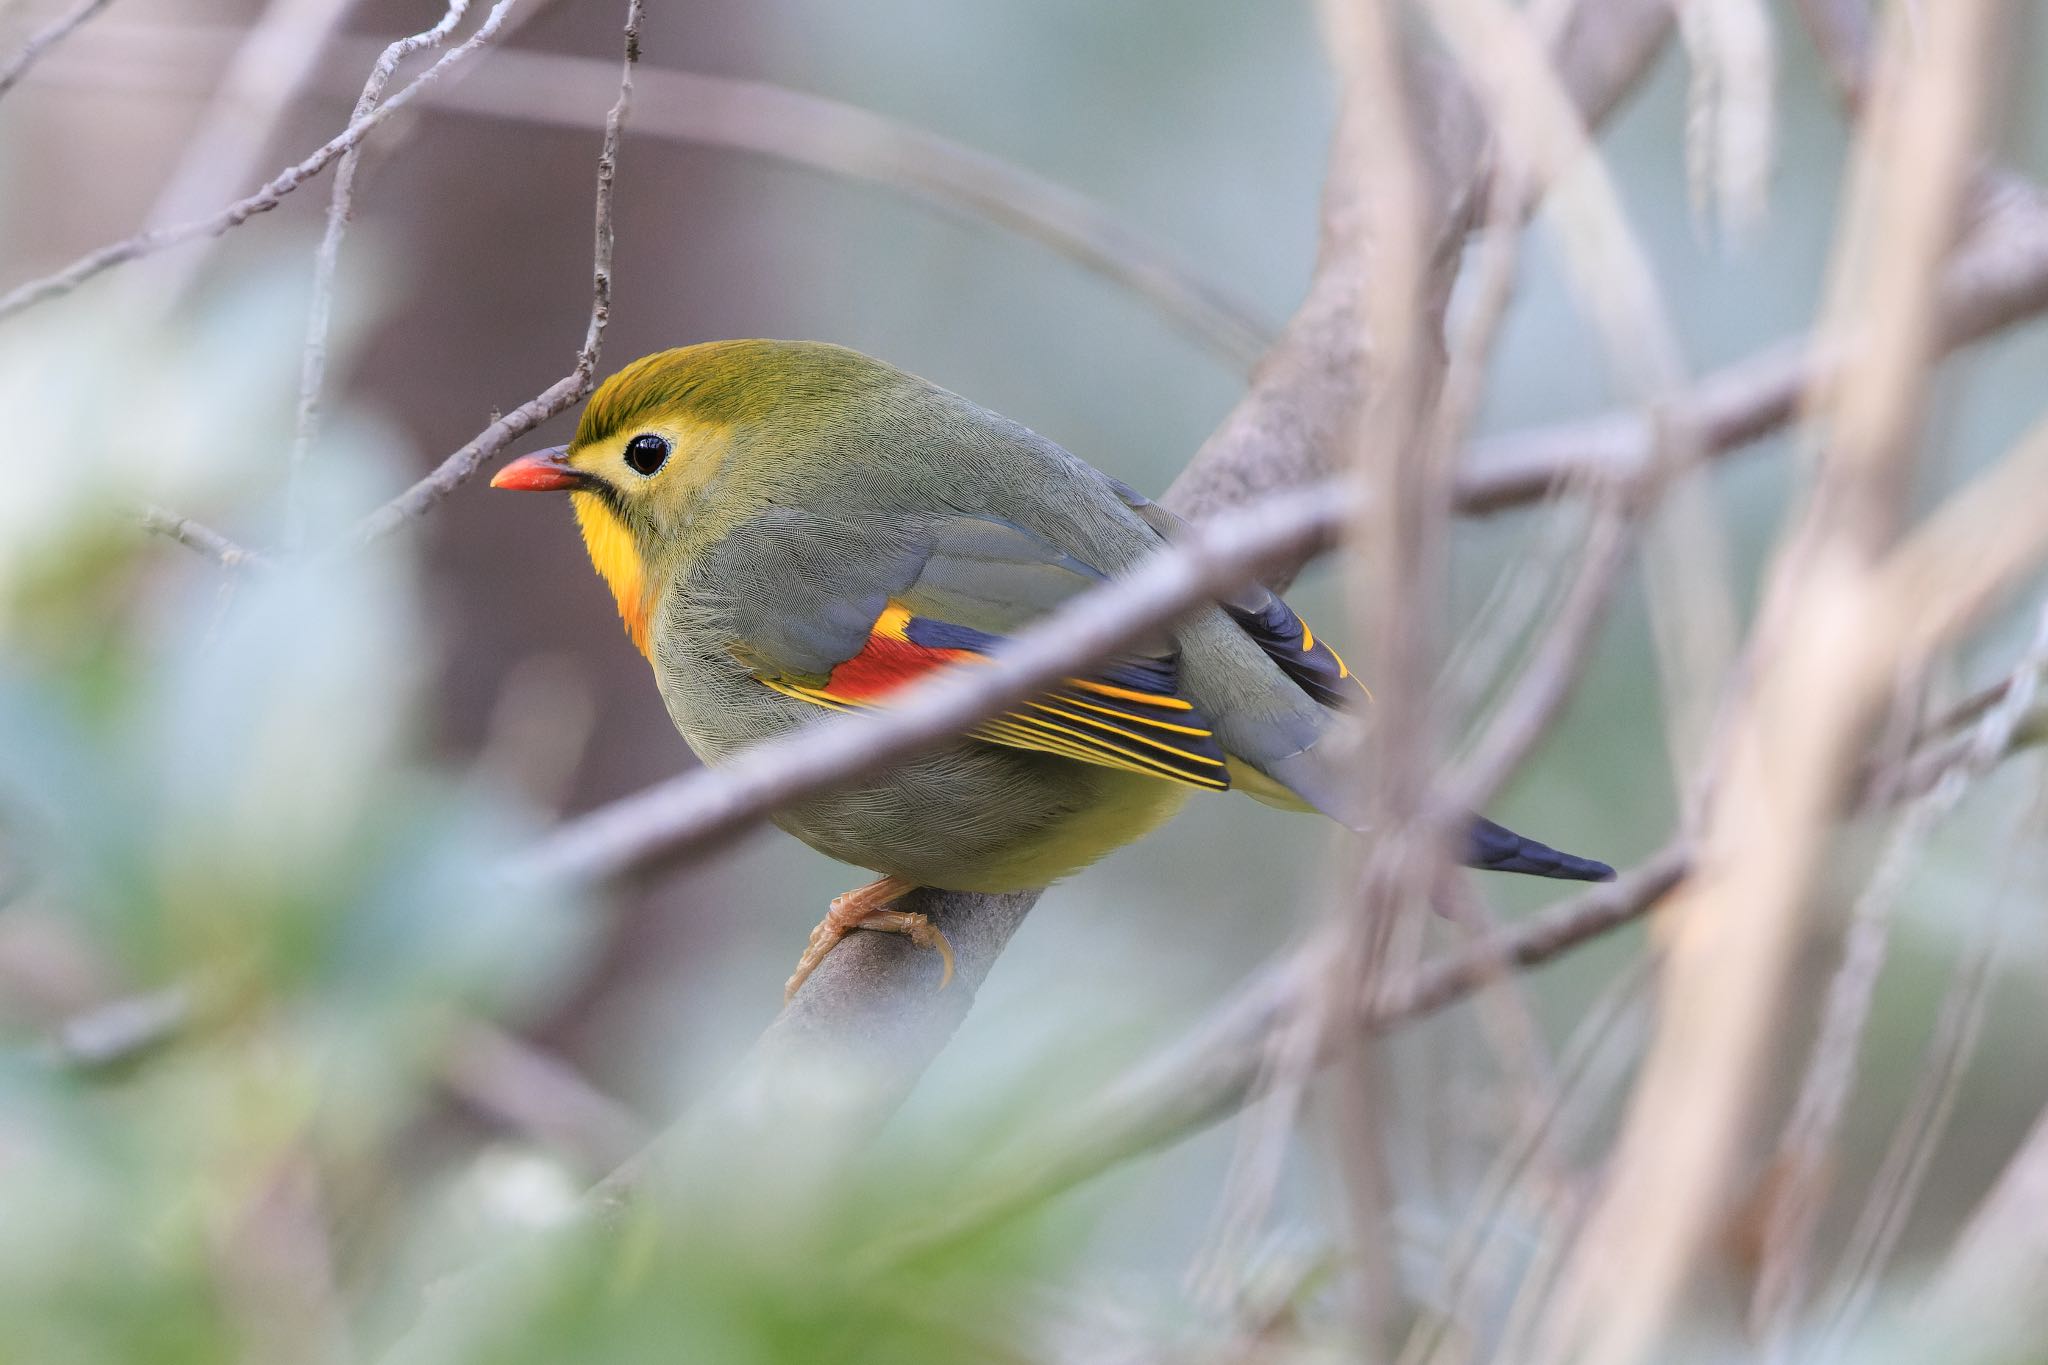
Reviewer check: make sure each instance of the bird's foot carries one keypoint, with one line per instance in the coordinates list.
(868, 908)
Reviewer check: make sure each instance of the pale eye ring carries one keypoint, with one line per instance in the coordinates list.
(647, 453)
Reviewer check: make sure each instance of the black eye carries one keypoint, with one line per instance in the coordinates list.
(646, 453)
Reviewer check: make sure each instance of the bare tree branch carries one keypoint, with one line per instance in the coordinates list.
(263, 200)
(45, 38)
(847, 140)
(1998, 275)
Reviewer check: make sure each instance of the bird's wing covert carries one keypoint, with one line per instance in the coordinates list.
(1259, 611)
(952, 597)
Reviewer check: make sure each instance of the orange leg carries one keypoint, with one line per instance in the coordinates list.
(868, 908)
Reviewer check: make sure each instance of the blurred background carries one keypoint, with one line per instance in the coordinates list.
(510, 695)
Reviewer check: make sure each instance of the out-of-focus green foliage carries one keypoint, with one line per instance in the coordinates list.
(207, 784)
(785, 1248)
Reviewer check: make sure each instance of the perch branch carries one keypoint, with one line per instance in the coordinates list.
(1285, 433)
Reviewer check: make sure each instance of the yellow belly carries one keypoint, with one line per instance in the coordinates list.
(1131, 807)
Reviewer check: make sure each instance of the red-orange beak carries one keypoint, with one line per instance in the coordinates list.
(541, 472)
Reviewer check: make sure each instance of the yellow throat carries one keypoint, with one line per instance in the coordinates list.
(617, 560)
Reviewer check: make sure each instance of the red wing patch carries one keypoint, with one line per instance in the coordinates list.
(1125, 716)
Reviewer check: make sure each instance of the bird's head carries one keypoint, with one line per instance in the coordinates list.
(668, 447)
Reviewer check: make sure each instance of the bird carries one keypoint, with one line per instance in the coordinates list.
(790, 528)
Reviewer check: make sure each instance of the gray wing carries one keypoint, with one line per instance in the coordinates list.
(841, 618)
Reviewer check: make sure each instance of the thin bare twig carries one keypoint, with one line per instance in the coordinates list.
(565, 392)
(247, 97)
(1997, 275)
(1586, 1071)
(1616, 287)
(837, 138)
(201, 538)
(263, 200)
(1554, 666)
(1831, 1070)
(1896, 1186)
(340, 208)
(45, 38)
(1207, 1072)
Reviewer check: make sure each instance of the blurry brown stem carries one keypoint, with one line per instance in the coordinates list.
(1831, 635)
(1399, 533)
(1841, 33)
(45, 38)
(1209, 1070)
(1554, 666)
(1605, 1037)
(1896, 1186)
(1830, 1075)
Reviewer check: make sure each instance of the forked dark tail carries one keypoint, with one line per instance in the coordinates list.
(1499, 849)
